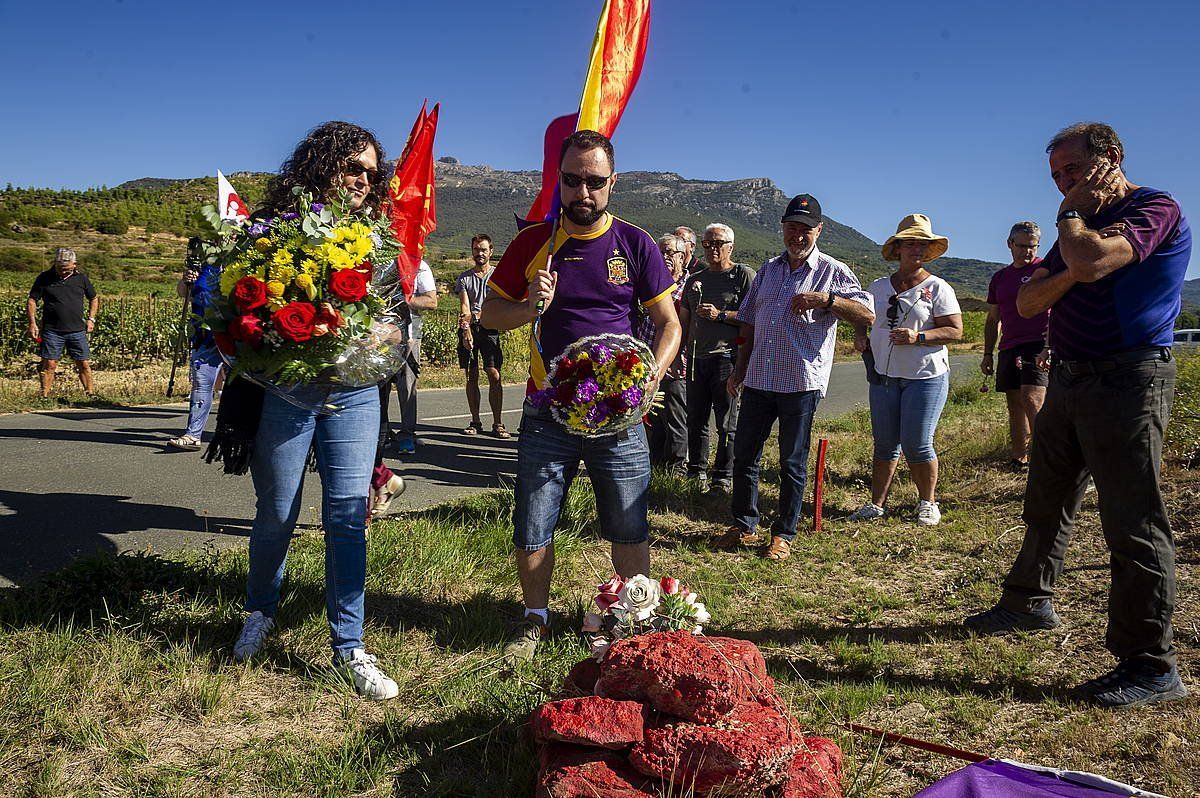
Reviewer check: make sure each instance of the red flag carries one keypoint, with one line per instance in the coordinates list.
(413, 205)
(614, 66)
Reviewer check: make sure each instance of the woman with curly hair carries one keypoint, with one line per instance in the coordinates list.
(339, 163)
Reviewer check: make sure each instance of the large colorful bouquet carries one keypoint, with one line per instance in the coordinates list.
(298, 297)
(640, 605)
(600, 385)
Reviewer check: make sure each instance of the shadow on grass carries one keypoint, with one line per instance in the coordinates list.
(479, 752)
(807, 632)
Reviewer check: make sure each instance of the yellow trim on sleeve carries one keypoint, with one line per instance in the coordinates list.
(497, 289)
(659, 298)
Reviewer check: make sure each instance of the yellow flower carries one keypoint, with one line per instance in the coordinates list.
(282, 258)
(275, 288)
(305, 283)
(263, 244)
(310, 267)
(275, 303)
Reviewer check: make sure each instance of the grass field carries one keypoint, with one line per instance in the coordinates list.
(115, 676)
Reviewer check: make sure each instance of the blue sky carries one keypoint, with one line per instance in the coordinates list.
(878, 109)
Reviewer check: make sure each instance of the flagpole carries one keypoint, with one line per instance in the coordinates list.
(541, 303)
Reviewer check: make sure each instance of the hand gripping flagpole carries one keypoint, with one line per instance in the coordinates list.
(541, 303)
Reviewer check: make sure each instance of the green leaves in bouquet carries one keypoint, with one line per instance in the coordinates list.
(676, 612)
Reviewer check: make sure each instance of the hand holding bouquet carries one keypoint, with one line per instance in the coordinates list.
(600, 385)
(296, 301)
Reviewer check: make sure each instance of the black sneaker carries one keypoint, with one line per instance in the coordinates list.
(1133, 683)
(523, 639)
(1001, 620)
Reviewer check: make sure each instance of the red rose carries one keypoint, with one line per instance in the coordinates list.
(565, 393)
(248, 329)
(348, 285)
(225, 344)
(295, 321)
(249, 293)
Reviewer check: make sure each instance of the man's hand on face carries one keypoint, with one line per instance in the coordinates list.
(809, 300)
(542, 288)
(1096, 191)
(707, 312)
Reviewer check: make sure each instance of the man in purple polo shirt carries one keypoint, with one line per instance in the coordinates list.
(601, 268)
(1113, 280)
(788, 326)
(1021, 341)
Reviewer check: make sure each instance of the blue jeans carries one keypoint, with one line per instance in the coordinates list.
(904, 415)
(206, 366)
(757, 415)
(345, 446)
(547, 461)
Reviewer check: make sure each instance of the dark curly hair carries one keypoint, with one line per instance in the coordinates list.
(317, 165)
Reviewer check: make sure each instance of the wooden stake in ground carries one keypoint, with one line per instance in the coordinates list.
(819, 483)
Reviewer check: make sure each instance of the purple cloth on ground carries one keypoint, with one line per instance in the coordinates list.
(995, 779)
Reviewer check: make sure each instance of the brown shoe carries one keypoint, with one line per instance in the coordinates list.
(780, 549)
(735, 536)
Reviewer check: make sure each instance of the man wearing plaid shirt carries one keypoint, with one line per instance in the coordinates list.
(788, 326)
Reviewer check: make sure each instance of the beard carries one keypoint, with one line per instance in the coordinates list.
(584, 214)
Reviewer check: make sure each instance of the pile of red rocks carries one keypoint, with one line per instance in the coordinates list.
(672, 713)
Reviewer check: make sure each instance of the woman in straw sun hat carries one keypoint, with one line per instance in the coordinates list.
(916, 314)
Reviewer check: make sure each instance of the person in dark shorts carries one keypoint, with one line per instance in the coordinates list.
(63, 291)
(1113, 279)
(1022, 339)
(476, 343)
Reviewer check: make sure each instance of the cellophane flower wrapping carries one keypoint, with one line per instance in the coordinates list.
(600, 385)
(309, 296)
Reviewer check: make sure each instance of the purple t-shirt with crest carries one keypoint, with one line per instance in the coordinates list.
(1002, 292)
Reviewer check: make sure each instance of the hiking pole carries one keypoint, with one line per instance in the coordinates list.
(819, 484)
(179, 342)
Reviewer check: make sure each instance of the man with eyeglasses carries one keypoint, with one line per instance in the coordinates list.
(584, 281)
(788, 326)
(667, 423)
(692, 263)
(708, 315)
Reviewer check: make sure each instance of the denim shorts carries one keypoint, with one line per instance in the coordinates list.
(53, 344)
(548, 459)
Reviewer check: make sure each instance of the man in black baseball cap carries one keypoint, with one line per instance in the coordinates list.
(803, 208)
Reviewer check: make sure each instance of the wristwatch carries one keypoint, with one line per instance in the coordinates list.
(1069, 213)
(721, 317)
(920, 338)
(832, 296)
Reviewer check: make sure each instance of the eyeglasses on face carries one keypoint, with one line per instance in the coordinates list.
(715, 244)
(354, 169)
(667, 253)
(593, 182)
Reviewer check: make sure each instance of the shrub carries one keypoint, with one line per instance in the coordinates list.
(15, 259)
(112, 226)
(1183, 432)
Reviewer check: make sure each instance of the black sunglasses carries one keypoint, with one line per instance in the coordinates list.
(354, 169)
(715, 244)
(594, 182)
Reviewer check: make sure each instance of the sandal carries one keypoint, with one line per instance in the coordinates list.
(383, 496)
(499, 431)
(185, 443)
(474, 428)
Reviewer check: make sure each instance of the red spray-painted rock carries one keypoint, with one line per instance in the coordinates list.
(816, 771)
(745, 753)
(569, 771)
(589, 720)
(581, 680)
(690, 676)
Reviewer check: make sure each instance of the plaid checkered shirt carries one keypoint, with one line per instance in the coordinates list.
(794, 351)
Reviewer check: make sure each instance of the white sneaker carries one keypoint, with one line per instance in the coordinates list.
(254, 632)
(868, 512)
(368, 680)
(928, 513)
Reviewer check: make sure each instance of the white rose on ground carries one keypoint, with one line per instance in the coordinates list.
(639, 595)
(700, 613)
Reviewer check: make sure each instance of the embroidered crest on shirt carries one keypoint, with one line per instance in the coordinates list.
(618, 270)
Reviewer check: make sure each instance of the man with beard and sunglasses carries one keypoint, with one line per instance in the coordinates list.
(607, 267)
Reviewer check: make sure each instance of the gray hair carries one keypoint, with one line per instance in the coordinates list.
(724, 228)
(1097, 137)
(671, 240)
(687, 234)
(1025, 227)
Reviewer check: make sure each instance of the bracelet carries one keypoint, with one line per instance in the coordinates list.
(832, 296)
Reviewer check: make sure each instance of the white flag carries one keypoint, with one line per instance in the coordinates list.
(228, 201)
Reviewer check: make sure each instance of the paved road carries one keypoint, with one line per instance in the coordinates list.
(74, 482)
